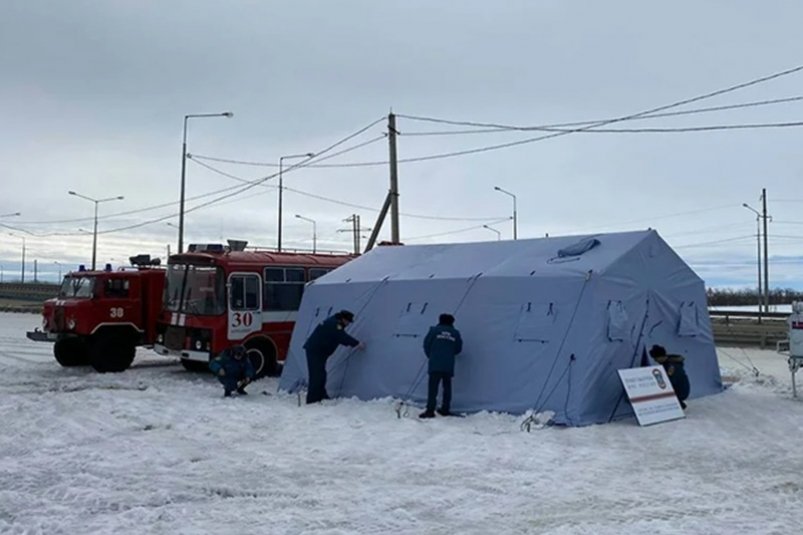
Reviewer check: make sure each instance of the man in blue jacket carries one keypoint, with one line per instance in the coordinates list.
(673, 365)
(233, 369)
(441, 344)
(323, 341)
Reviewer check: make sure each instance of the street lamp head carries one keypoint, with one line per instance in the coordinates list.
(310, 155)
(120, 198)
(497, 188)
(227, 114)
(745, 205)
(72, 193)
(298, 216)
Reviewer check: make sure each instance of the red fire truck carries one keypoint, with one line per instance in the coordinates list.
(100, 317)
(217, 296)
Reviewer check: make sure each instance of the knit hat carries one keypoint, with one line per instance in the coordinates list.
(657, 351)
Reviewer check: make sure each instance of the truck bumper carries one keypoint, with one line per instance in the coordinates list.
(41, 336)
(197, 356)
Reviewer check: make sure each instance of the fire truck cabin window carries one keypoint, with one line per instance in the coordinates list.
(244, 292)
(116, 288)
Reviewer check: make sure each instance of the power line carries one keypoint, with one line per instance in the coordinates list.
(657, 218)
(667, 130)
(466, 229)
(716, 242)
(605, 122)
(267, 164)
(568, 131)
(344, 203)
(496, 127)
(235, 190)
(240, 189)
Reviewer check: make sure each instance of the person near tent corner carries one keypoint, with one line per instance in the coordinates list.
(320, 345)
(233, 369)
(673, 365)
(441, 344)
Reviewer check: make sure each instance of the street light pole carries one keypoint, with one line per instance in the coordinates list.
(281, 188)
(515, 217)
(314, 232)
(758, 253)
(184, 168)
(498, 234)
(59, 266)
(95, 231)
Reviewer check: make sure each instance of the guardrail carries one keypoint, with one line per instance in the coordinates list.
(742, 328)
(29, 291)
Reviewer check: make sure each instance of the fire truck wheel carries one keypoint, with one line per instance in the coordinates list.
(110, 353)
(263, 359)
(71, 352)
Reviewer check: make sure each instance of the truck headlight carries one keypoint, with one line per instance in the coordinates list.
(198, 345)
(71, 324)
(160, 338)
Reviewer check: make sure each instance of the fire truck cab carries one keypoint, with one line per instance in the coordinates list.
(218, 296)
(100, 317)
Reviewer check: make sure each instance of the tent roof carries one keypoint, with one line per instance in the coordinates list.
(522, 258)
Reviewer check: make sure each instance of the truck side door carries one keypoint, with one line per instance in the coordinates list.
(245, 305)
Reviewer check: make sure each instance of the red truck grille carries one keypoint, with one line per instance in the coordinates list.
(58, 319)
(174, 337)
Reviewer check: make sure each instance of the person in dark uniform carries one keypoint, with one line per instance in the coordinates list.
(673, 364)
(233, 369)
(323, 341)
(441, 344)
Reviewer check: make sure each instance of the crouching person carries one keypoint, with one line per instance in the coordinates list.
(673, 365)
(233, 369)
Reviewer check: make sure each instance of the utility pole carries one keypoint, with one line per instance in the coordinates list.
(356, 229)
(766, 253)
(35, 270)
(758, 257)
(394, 181)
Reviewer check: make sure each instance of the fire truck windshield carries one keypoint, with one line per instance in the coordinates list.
(77, 286)
(198, 290)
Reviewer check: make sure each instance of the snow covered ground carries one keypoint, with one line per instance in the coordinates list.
(158, 450)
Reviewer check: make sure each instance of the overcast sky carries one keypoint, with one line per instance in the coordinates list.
(93, 96)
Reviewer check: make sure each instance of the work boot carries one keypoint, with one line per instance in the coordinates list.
(242, 391)
(444, 412)
(227, 393)
(427, 414)
(683, 405)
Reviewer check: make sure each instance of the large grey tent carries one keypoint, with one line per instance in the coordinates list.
(546, 322)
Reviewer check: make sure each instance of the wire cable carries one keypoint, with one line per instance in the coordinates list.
(231, 190)
(676, 104)
(455, 231)
(496, 127)
(656, 130)
(344, 203)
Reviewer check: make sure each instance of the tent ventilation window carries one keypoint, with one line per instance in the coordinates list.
(413, 321)
(617, 321)
(573, 252)
(688, 324)
(536, 322)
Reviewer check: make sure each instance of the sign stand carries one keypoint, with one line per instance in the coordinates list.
(651, 395)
